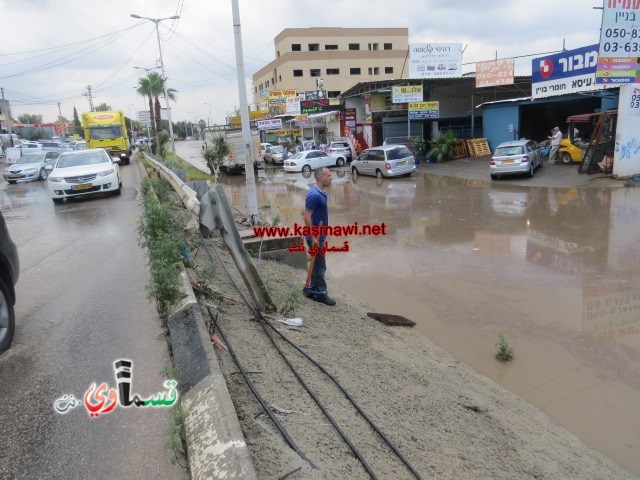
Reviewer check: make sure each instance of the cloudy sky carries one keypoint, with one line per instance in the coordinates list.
(51, 50)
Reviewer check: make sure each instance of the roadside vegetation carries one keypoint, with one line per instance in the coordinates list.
(504, 350)
(192, 172)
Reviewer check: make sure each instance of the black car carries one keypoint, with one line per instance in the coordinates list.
(9, 273)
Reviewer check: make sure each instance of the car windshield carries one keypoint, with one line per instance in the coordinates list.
(103, 132)
(277, 149)
(31, 158)
(396, 153)
(76, 160)
(513, 150)
(339, 145)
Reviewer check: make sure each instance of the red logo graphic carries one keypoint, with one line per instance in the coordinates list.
(546, 68)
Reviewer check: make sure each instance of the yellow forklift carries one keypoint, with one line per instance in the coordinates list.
(584, 130)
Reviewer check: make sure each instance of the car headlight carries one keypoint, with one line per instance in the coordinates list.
(56, 179)
(106, 172)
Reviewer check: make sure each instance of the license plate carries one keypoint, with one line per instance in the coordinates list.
(14, 175)
(82, 186)
(508, 161)
(400, 164)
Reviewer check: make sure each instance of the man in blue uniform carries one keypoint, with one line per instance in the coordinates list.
(316, 212)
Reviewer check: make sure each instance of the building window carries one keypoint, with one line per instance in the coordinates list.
(255, 89)
(297, 73)
(354, 71)
(314, 72)
(295, 47)
(376, 70)
(278, 52)
(333, 93)
(373, 46)
(266, 84)
(388, 69)
(280, 77)
(333, 71)
(314, 47)
(370, 71)
(331, 47)
(388, 46)
(354, 46)
(273, 82)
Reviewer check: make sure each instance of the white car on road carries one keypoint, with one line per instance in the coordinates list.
(31, 166)
(84, 172)
(309, 160)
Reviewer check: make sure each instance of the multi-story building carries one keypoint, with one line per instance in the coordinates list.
(333, 58)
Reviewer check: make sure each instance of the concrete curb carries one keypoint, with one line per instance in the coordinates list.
(216, 447)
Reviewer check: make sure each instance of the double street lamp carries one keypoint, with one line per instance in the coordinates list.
(164, 77)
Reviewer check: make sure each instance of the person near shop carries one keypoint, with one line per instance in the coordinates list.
(385, 142)
(555, 138)
(316, 213)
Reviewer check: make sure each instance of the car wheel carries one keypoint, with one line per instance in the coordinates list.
(354, 171)
(566, 158)
(306, 169)
(530, 172)
(43, 174)
(11, 181)
(7, 317)
(57, 201)
(379, 173)
(340, 162)
(494, 177)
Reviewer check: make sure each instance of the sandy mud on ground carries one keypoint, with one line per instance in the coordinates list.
(449, 421)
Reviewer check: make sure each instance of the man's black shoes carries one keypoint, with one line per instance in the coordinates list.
(326, 300)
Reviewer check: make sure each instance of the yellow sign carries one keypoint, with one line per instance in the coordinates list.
(302, 118)
(424, 105)
(277, 97)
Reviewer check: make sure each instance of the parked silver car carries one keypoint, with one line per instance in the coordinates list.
(52, 146)
(273, 154)
(31, 166)
(385, 161)
(516, 157)
(342, 148)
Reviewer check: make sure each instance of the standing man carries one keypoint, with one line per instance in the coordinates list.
(556, 136)
(316, 213)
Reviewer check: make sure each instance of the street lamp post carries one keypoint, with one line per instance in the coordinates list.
(189, 124)
(130, 121)
(164, 77)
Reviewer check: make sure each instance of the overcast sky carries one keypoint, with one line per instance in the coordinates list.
(51, 50)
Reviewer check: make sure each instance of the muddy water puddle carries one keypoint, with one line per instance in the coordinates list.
(554, 269)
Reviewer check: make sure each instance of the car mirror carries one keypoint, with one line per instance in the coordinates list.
(116, 160)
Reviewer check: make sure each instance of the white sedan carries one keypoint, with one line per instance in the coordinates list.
(84, 172)
(309, 160)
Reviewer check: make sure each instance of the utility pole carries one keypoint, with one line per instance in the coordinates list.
(7, 115)
(89, 97)
(63, 129)
(252, 197)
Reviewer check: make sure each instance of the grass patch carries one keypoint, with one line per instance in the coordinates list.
(505, 351)
(192, 172)
(160, 232)
(175, 434)
(286, 297)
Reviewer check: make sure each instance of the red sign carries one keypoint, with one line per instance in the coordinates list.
(350, 117)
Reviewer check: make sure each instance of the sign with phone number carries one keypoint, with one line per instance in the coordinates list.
(619, 36)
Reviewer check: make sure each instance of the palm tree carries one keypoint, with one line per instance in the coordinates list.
(148, 87)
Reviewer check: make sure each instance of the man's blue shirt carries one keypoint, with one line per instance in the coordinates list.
(316, 202)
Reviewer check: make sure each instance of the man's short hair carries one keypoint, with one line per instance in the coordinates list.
(317, 173)
(556, 128)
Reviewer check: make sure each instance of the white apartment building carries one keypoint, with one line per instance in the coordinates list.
(335, 57)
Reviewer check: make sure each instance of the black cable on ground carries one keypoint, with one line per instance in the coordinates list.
(255, 392)
(262, 320)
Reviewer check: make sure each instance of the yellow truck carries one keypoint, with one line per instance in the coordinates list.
(107, 130)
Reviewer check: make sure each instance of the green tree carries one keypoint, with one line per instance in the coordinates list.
(163, 138)
(152, 86)
(442, 149)
(29, 118)
(202, 125)
(215, 153)
(76, 121)
(103, 107)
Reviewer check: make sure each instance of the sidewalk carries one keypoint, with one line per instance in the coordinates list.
(557, 175)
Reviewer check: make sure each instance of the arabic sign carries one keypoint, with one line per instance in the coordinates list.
(567, 72)
(420, 110)
(269, 124)
(350, 117)
(279, 97)
(494, 73)
(406, 93)
(99, 400)
(435, 60)
(293, 105)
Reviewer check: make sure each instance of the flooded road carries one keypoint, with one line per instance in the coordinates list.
(554, 269)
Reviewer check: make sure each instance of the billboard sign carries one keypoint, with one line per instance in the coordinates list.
(406, 93)
(293, 105)
(494, 73)
(422, 110)
(435, 60)
(279, 97)
(567, 72)
(350, 117)
(269, 124)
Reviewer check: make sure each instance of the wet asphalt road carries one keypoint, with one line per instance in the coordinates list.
(81, 305)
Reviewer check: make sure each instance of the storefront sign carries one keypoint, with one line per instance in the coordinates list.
(619, 42)
(285, 133)
(293, 105)
(567, 72)
(279, 97)
(435, 60)
(494, 73)
(317, 106)
(350, 117)
(383, 103)
(406, 93)
(422, 110)
(313, 95)
(269, 124)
